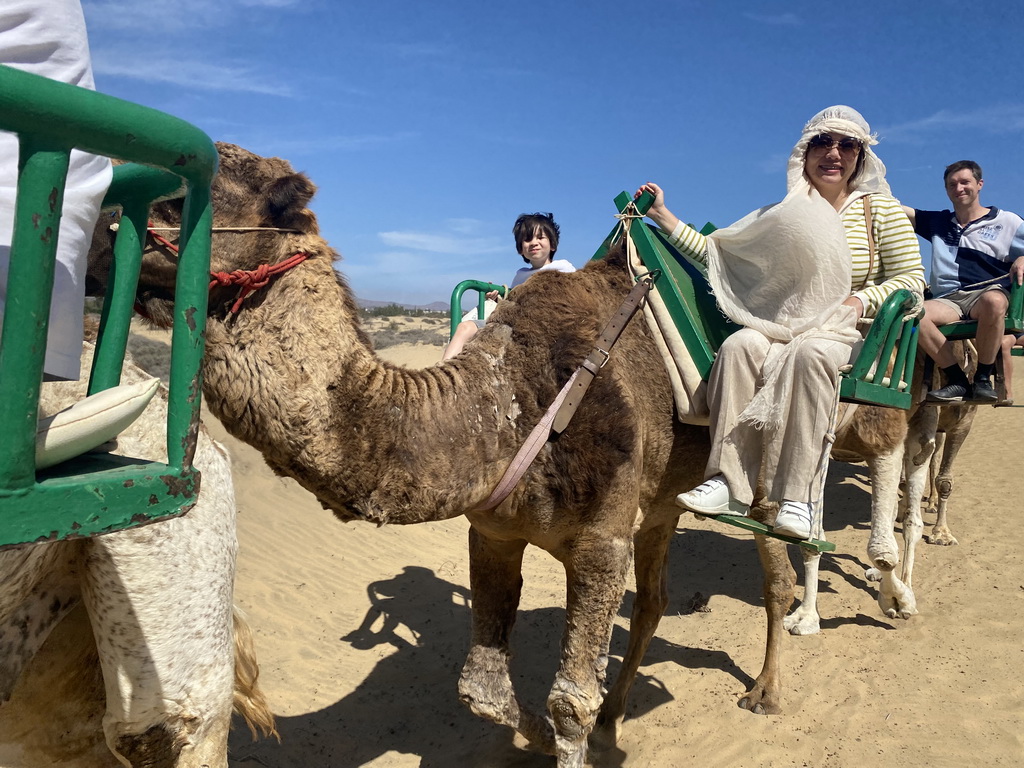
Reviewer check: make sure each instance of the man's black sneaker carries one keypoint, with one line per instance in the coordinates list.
(951, 393)
(982, 393)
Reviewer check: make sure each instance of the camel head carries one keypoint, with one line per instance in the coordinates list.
(249, 191)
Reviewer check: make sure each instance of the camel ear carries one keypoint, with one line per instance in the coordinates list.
(287, 198)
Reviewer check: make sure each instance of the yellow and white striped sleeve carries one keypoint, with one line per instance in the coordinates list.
(897, 253)
(692, 243)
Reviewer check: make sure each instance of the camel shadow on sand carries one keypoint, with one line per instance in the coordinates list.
(408, 704)
(419, 624)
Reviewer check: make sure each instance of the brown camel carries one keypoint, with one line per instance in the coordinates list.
(292, 373)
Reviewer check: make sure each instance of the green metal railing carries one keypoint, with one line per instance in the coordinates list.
(482, 290)
(686, 293)
(702, 326)
(96, 493)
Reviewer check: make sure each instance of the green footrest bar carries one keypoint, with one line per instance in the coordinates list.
(749, 524)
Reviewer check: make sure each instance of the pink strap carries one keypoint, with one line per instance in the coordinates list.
(527, 453)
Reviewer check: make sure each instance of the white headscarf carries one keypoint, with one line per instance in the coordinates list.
(844, 121)
(785, 270)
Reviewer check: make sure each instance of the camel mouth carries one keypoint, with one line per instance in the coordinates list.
(156, 305)
(352, 511)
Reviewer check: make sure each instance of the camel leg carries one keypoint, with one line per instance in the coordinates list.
(931, 497)
(765, 696)
(894, 597)
(943, 482)
(651, 569)
(595, 583)
(485, 686)
(805, 620)
(159, 599)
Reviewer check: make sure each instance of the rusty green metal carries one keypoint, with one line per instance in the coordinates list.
(482, 288)
(703, 327)
(97, 493)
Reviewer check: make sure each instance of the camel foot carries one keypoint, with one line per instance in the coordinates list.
(486, 689)
(872, 574)
(802, 621)
(759, 701)
(606, 733)
(943, 537)
(896, 599)
(573, 712)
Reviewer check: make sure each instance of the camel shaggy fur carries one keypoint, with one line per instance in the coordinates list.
(293, 374)
(124, 649)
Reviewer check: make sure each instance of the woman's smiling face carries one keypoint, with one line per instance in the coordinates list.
(829, 164)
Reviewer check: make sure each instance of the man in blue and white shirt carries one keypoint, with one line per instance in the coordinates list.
(972, 248)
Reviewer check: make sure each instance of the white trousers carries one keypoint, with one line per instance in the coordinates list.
(47, 37)
(791, 454)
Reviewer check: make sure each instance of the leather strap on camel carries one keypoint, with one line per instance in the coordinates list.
(561, 410)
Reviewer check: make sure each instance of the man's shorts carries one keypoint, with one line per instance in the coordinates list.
(964, 301)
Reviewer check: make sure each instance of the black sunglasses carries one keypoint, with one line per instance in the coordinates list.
(824, 141)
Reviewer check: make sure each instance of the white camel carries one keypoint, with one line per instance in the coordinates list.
(125, 649)
(894, 441)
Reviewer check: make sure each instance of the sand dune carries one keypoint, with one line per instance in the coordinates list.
(362, 633)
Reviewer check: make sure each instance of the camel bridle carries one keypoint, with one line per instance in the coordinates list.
(249, 280)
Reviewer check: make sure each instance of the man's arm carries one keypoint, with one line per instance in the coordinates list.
(1017, 254)
(911, 214)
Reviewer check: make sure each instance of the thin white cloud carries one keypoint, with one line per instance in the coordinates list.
(162, 17)
(998, 119)
(464, 226)
(414, 50)
(263, 143)
(448, 244)
(271, 3)
(196, 75)
(385, 275)
(775, 163)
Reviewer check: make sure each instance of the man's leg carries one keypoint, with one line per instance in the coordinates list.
(934, 343)
(990, 312)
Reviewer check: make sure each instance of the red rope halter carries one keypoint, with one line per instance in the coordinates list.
(249, 279)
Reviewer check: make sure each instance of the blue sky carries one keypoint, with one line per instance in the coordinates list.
(429, 125)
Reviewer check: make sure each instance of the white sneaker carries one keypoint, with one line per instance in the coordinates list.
(712, 497)
(794, 519)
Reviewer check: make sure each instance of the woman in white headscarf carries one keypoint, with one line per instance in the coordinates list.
(797, 274)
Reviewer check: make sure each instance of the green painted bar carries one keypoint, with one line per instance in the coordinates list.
(749, 524)
(97, 493)
(95, 122)
(94, 495)
(27, 310)
(482, 288)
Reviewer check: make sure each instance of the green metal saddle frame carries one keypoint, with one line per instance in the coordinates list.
(97, 493)
(482, 289)
(880, 375)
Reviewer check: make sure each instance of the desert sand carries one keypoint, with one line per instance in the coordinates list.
(361, 634)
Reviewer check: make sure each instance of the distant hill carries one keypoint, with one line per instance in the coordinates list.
(436, 306)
